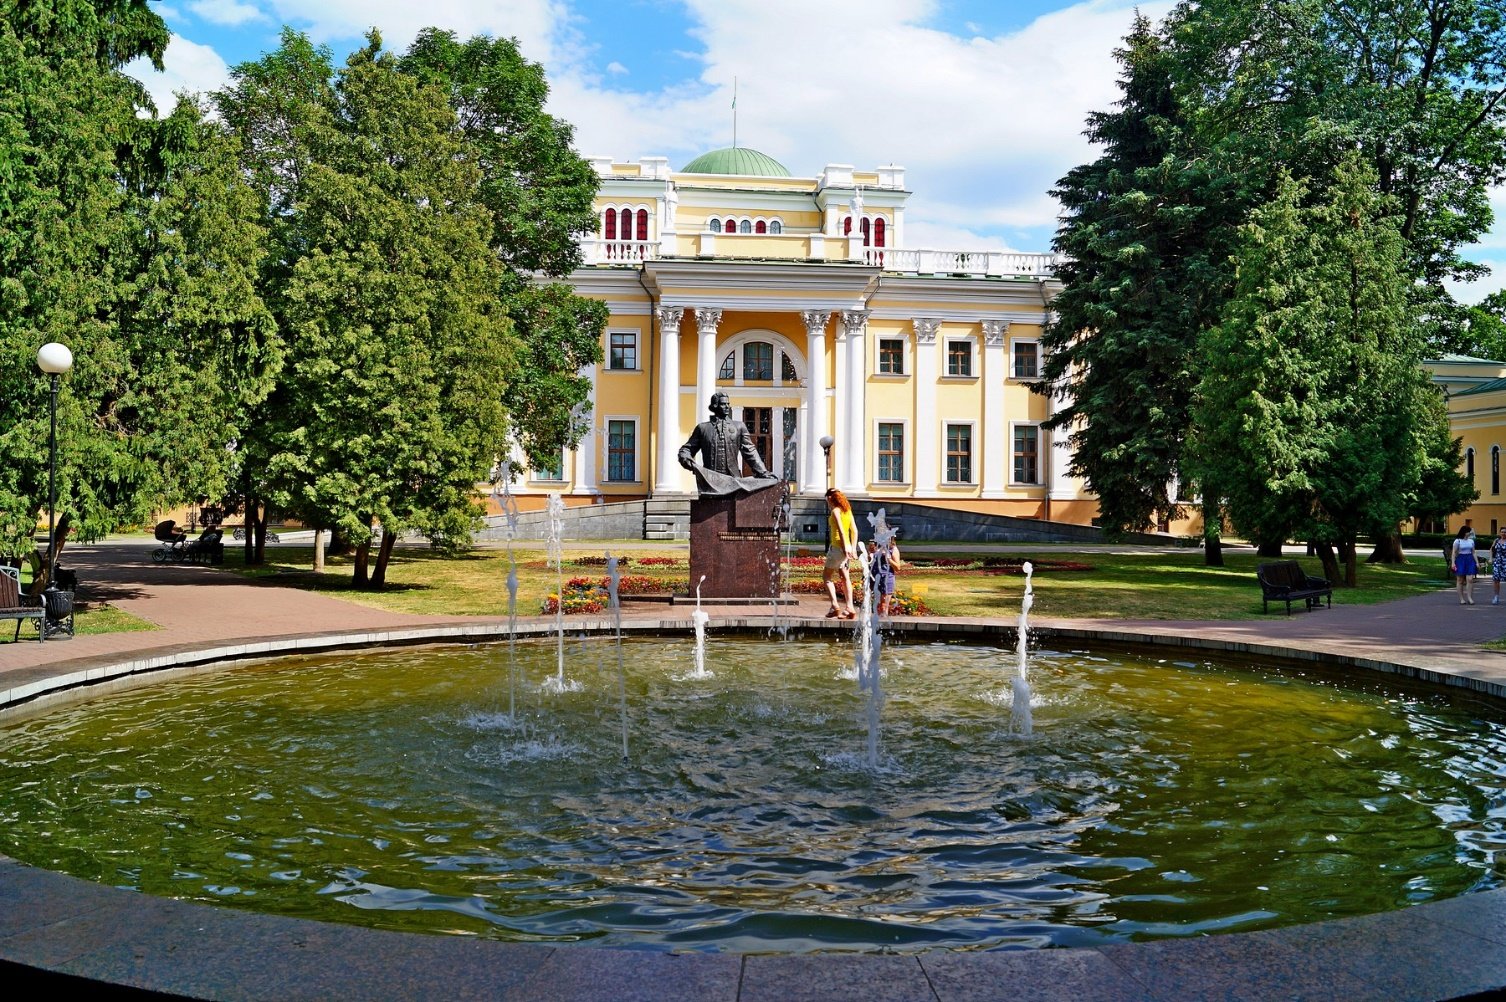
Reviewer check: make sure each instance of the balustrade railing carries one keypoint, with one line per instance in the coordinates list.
(892, 259)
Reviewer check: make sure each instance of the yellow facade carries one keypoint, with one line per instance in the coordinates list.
(799, 298)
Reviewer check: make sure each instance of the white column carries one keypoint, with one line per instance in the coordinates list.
(585, 452)
(854, 447)
(996, 438)
(813, 420)
(667, 472)
(706, 321)
(927, 444)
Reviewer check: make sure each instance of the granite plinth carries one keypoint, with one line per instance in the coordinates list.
(734, 543)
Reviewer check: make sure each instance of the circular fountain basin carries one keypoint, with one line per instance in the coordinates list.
(461, 790)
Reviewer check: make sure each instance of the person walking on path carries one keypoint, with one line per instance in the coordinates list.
(1462, 563)
(1498, 565)
(841, 550)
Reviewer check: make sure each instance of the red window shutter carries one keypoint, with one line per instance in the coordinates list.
(611, 233)
(760, 227)
(847, 227)
(878, 233)
(866, 241)
(731, 226)
(642, 224)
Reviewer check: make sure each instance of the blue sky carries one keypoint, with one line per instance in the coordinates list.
(982, 101)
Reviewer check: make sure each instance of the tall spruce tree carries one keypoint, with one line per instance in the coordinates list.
(1144, 238)
(1307, 409)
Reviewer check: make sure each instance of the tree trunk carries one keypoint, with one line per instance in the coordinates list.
(360, 577)
(1330, 561)
(1271, 548)
(384, 554)
(1387, 550)
(1213, 549)
(252, 507)
(261, 535)
(318, 550)
(1349, 554)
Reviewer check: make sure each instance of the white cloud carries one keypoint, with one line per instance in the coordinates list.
(984, 126)
(616, 68)
(542, 27)
(187, 66)
(231, 13)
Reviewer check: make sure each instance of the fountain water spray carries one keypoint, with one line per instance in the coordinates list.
(614, 593)
(1019, 713)
(869, 670)
(509, 506)
(700, 619)
(556, 553)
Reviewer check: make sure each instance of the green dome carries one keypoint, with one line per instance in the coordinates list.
(737, 160)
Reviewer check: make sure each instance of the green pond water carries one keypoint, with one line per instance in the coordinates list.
(396, 790)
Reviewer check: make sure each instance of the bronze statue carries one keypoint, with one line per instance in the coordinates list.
(723, 444)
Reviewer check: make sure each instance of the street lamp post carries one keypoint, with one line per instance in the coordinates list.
(53, 359)
(825, 442)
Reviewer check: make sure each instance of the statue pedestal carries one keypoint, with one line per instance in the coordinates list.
(734, 543)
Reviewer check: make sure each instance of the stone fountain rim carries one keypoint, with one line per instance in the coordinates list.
(60, 927)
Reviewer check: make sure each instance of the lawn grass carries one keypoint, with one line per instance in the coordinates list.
(1170, 585)
(88, 617)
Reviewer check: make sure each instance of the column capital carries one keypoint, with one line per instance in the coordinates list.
(926, 329)
(707, 318)
(815, 322)
(993, 332)
(854, 321)
(670, 317)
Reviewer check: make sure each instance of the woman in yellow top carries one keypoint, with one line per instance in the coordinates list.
(841, 550)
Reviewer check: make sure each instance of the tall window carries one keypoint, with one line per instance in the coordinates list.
(610, 228)
(1495, 469)
(1027, 443)
(622, 450)
(891, 452)
(1026, 360)
(622, 350)
(959, 358)
(758, 360)
(959, 454)
(550, 473)
(642, 224)
(891, 356)
(1469, 464)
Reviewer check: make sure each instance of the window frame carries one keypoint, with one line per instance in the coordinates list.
(879, 453)
(1015, 343)
(533, 477)
(972, 356)
(637, 354)
(1015, 455)
(946, 454)
(878, 357)
(607, 422)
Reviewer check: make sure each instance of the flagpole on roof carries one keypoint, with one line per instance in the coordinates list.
(734, 113)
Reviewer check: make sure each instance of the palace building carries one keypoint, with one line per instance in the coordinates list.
(800, 297)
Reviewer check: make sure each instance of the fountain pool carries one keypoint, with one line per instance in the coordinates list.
(396, 790)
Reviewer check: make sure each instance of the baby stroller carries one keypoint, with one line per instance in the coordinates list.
(174, 543)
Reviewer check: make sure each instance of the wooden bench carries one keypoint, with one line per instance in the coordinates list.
(1285, 581)
(11, 603)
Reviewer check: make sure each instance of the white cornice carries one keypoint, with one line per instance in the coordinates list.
(729, 200)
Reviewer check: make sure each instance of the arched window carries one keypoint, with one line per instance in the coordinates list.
(787, 371)
(847, 227)
(866, 232)
(878, 232)
(1469, 464)
(642, 224)
(714, 225)
(610, 231)
(776, 227)
(731, 226)
(760, 227)
(745, 226)
(728, 369)
(1495, 469)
